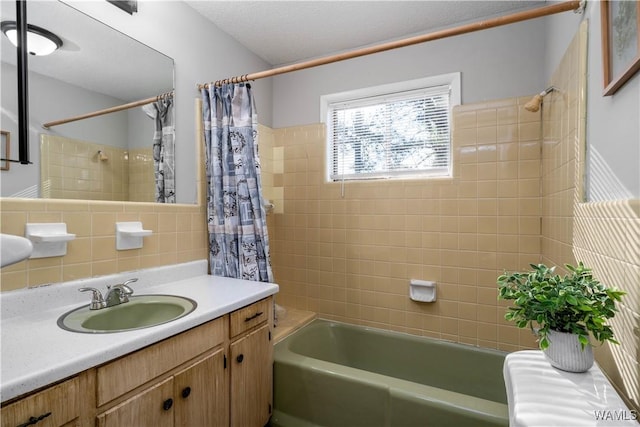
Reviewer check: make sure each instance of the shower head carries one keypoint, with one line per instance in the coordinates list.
(536, 101)
(102, 156)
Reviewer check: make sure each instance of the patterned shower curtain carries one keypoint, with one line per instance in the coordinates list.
(238, 238)
(163, 148)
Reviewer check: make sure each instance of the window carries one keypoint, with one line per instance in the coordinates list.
(391, 131)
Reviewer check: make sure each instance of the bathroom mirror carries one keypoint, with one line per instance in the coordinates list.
(96, 68)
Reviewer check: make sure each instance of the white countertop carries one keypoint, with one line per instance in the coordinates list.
(541, 395)
(36, 352)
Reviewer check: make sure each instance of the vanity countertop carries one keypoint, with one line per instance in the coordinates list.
(36, 352)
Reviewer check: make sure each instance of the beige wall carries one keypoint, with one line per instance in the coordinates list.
(351, 258)
(603, 235)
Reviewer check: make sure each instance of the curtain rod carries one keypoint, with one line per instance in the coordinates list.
(575, 5)
(108, 110)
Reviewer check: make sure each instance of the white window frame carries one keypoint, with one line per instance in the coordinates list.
(452, 80)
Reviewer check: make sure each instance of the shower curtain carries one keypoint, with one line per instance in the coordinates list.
(238, 238)
(163, 148)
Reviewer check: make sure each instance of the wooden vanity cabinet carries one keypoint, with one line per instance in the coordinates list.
(146, 408)
(216, 374)
(194, 396)
(56, 406)
(226, 381)
(251, 363)
(201, 391)
(180, 381)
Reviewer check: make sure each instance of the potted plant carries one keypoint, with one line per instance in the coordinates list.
(564, 309)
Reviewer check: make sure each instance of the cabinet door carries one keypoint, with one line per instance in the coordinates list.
(52, 407)
(153, 408)
(251, 379)
(201, 393)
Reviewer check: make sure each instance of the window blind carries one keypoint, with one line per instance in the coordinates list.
(392, 135)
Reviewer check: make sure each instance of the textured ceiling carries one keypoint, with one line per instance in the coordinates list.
(283, 32)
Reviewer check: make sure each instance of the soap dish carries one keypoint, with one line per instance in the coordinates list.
(422, 290)
(129, 235)
(48, 239)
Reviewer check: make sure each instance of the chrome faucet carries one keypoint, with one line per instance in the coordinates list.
(97, 302)
(116, 294)
(119, 294)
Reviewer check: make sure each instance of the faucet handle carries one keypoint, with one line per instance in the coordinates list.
(126, 288)
(97, 302)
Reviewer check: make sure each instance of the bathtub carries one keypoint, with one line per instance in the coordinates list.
(339, 375)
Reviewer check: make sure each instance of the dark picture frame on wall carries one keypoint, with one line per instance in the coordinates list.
(5, 150)
(620, 42)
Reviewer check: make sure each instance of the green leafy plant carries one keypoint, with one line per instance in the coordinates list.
(576, 303)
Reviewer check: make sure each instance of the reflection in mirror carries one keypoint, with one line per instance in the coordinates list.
(106, 157)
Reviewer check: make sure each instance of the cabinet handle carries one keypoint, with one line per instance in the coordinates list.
(167, 404)
(186, 392)
(240, 358)
(34, 420)
(250, 318)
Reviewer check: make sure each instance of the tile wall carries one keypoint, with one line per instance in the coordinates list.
(72, 169)
(180, 235)
(351, 257)
(141, 175)
(603, 235)
(180, 232)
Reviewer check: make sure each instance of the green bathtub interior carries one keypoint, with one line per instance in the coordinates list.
(334, 374)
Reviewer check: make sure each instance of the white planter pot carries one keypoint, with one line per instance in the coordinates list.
(565, 352)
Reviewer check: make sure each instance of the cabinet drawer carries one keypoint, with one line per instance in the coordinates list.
(246, 318)
(123, 375)
(60, 402)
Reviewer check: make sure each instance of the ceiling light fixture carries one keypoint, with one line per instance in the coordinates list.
(39, 41)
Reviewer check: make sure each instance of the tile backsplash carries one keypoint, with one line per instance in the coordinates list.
(179, 235)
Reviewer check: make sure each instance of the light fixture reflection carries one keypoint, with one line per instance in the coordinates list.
(40, 42)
